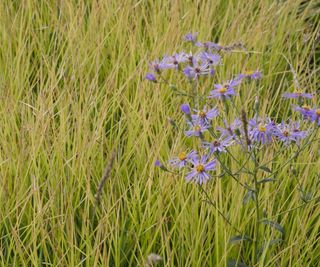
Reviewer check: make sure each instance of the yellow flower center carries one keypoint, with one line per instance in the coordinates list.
(202, 114)
(249, 72)
(197, 128)
(286, 133)
(222, 90)
(182, 156)
(200, 168)
(298, 92)
(262, 128)
(318, 112)
(305, 107)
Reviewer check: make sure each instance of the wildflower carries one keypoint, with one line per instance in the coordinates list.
(191, 37)
(151, 77)
(165, 63)
(196, 128)
(185, 109)
(210, 46)
(261, 130)
(253, 75)
(225, 90)
(182, 159)
(204, 116)
(289, 133)
(231, 130)
(193, 72)
(179, 58)
(305, 110)
(199, 172)
(315, 115)
(191, 58)
(297, 94)
(218, 145)
(222, 91)
(210, 58)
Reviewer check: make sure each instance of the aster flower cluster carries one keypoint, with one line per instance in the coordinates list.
(216, 137)
(248, 133)
(310, 114)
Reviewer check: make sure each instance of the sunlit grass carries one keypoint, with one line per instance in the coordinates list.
(73, 90)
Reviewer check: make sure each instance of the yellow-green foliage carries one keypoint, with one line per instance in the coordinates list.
(73, 89)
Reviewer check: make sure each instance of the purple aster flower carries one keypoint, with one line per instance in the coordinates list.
(315, 115)
(165, 63)
(177, 59)
(297, 94)
(151, 77)
(210, 46)
(196, 128)
(227, 85)
(185, 109)
(289, 133)
(172, 62)
(222, 91)
(204, 116)
(199, 172)
(261, 130)
(193, 72)
(191, 37)
(210, 58)
(306, 111)
(218, 145)
(253, 75)
(231, 130)
(183, 158)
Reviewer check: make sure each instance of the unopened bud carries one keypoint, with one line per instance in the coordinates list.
(185, 109)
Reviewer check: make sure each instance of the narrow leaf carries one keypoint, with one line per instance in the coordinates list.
(274, 225)
(266, 180)
(234, 263)
(239, 238)
(274, 242)
(269, 244)
(266, 169)
(248, 196)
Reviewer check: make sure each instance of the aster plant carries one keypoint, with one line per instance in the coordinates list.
(207, 121)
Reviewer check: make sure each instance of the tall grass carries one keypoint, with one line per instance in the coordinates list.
(72, 91)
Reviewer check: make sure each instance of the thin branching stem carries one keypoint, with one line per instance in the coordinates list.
(213, 204)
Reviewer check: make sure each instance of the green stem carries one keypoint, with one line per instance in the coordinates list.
(257, 205)
(217, 209)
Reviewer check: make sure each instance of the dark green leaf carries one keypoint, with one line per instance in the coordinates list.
(269, 244)
(239, 238)
(266, 169)
(266, 180)
(274, 225)
(274, 242)
(234, 263)
(248, 196)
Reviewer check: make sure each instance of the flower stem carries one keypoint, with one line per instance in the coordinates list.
(220, 213)
(257, 205)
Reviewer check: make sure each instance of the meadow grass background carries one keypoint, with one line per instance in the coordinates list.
(73, 90)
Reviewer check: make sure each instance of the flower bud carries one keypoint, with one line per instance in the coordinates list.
(185, 109)
(158, 164)
(151, 77)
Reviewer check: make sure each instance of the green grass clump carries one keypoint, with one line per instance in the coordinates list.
(72, 91)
